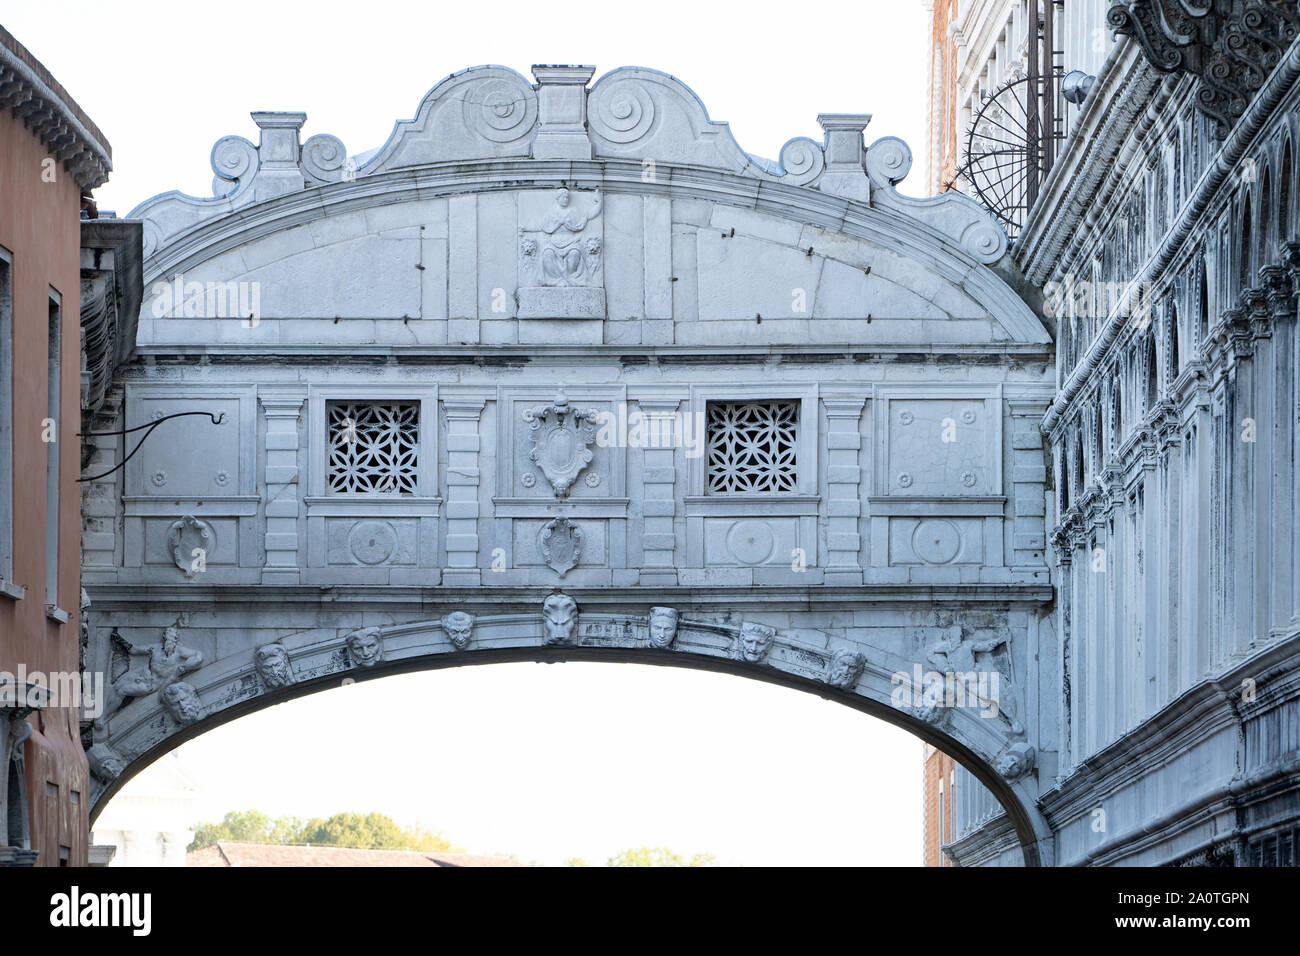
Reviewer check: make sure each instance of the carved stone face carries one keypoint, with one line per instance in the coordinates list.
(365, 647)
(562, 198)
(560, 619)
(272, 664)
(105, 763)
(845, 669)
(181, 701)
(459, 627)
(755, 639)
(1014, 762)
(663, 626)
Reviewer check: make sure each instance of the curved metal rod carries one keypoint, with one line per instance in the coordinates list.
(217, 419)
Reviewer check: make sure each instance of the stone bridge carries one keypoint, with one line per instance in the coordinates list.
(560, 372)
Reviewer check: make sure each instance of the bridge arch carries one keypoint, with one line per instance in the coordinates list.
(700, 644)
(593, 348)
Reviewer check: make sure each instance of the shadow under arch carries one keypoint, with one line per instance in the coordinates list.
(1017, 813)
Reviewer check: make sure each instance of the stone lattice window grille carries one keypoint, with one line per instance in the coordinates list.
(373, 447)
(752, 447)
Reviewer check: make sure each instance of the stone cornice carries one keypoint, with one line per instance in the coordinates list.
(220, 230)
(1209, 706)
(34, 96)
(1055, 220)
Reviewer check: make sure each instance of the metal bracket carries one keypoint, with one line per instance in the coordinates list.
(216, 420)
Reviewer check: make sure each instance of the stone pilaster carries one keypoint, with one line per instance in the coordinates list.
(843, 490)
(1028, 484)
(659, 502)
(283, 410)
(463, 472)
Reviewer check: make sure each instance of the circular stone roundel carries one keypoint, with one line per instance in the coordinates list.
(372, 542)
(936, 542)
(751, 542)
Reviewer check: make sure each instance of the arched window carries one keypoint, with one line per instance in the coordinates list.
(1264, 248)
(1285, 222)
(1243, 253)
(1175, 364)
(1152, 373)
(1202, 300)
(1116, 417)
(1078, 462)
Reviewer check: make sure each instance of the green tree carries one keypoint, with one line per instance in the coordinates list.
(659, 856)
(372, 831)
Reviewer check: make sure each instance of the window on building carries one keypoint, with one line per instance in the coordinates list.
(752, 446)
(6, 417)
(373, 447)
(52, 438)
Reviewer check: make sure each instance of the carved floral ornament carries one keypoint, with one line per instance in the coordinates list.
(1231, 46)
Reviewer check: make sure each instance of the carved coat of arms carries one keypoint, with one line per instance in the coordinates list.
(561, 437)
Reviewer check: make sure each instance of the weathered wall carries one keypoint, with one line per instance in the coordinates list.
(39, 226)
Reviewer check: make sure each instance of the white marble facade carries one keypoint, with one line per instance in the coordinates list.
(554, 355)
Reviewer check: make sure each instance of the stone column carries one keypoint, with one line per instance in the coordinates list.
(463, 444)
(843, 490)
(659, 499)
(283, 409)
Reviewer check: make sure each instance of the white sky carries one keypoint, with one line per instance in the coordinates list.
(545, 761)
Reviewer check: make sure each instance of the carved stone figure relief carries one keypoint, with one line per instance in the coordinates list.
(181, 701)
(754, 641)
(271, 661)
(663, 627)
(845, 668)
(559, 619)
(459, 628)
(366, 646)
(147, 670)
(1016, 761)
(561, 255)
(106, 764)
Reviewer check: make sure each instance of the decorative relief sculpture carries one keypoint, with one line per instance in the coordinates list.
(106, 764)
(754, 641)
(365, 646)
(561, 255)
(1016, 761)
(147, 669)
(190, 541)
(986, 686)
(559, 619)
(663, 627)
(560, 437)
(271, 661)
(459, 628)
(181, 701)
(561, 545)
(845, 668)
